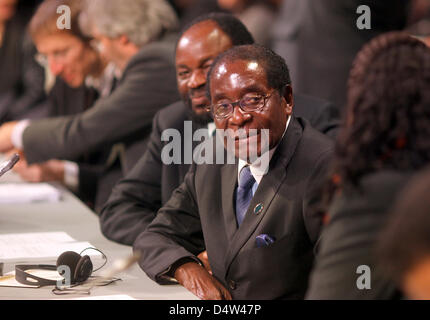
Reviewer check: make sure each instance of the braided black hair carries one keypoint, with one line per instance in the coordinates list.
(387, 123)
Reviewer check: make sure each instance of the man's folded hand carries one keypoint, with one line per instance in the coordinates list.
(196, 279)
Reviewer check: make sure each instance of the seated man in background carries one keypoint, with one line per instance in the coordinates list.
(407, 262)
(136, 199)
(136, 37)
(82, 76)
(21, 78)
(252, 217)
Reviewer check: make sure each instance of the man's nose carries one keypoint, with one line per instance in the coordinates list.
(239, 117)
(55, 67)
(198, 78)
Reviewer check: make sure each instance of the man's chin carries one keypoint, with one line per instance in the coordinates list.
(200, 110)
(74, 83)
(200, 115)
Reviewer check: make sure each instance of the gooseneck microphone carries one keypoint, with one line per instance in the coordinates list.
(8, 164)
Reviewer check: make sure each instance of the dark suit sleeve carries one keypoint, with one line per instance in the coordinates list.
(346, 244)
(145, 88)
(136, 199)
(348, 241)
(32, 77)
(175, 233)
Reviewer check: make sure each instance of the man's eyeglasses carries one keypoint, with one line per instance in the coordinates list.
(249, 103)
(58, 56)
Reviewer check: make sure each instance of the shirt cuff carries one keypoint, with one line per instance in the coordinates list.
(169, 274)
(71, 175)
(18, 132)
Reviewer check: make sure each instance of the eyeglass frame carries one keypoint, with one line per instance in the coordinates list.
(58, 57)
(238, 103)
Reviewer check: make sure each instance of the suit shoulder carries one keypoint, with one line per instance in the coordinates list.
(367, 198)
(314, 141)
(311, 107)
(311, 101)
(162, 51)
(172, 116)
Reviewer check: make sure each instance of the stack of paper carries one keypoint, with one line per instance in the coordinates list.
(28, 192)
(39, 246)
(36, 248)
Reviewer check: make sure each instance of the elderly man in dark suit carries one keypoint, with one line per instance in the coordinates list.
(136, 199)
(136, 38)
(252, 217)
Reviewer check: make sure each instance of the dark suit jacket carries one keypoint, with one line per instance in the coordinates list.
(321, 114)
(200, 215)
(21, 78)
(148, 83)
(348, 241)
(94, 184)
(136, 198)
(319, 40)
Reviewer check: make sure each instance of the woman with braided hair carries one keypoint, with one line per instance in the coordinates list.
(384, 140)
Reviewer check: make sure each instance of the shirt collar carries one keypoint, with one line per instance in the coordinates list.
(260, 168)
(211, 128)
(104, 83)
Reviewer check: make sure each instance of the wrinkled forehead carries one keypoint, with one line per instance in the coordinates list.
(238, 74)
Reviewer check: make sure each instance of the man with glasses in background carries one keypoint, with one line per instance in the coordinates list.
(252, 217)
(136, 35)
(82, 76)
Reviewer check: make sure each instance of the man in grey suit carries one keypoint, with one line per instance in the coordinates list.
(136, 38)
(252, 217)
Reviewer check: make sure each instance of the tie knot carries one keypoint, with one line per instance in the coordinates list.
(246, 179)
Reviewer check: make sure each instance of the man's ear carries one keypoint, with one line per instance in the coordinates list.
(289, 99)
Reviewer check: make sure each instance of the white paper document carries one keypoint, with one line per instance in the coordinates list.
(39, 246)
(28, 192)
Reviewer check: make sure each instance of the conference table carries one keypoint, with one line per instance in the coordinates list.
(73, 217)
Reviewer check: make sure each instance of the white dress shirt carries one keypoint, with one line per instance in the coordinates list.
(259, 168)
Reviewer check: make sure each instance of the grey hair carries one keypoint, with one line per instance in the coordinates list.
(142, 21)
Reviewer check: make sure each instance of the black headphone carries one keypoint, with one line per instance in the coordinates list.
(80, 268)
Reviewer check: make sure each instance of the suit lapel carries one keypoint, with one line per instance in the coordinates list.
(265, 194)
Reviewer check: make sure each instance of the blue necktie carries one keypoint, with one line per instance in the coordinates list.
(244, 193)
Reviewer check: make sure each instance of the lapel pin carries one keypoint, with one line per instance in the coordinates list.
(258, 208)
